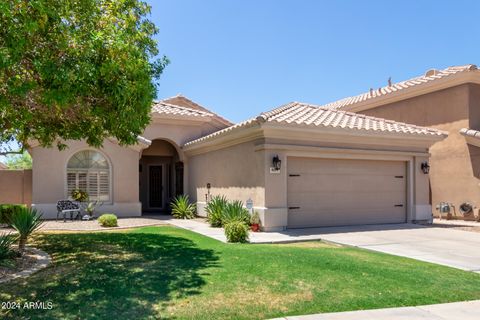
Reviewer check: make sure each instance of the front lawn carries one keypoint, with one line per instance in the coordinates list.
(165, 272)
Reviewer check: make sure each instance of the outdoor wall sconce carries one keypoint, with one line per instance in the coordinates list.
(425, 167)
(277, 163)
(207, 195)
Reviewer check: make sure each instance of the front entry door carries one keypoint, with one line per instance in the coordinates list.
(155, 186)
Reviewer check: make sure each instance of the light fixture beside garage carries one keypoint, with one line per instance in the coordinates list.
(276, 164)
(425, 167)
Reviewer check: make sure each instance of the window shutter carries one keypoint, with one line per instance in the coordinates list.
(71, 182)
(92, 185)
(88, 171)
(82, 181)
(104, 186)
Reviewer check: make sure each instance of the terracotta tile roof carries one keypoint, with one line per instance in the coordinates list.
(429, 77)
(311, 115)
(182, 101)
(297, 114)
(162, 107)
(3, 166)
(143, 140)
(241, 125)
(470, 133)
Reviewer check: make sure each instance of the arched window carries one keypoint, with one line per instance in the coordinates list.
(89, 171)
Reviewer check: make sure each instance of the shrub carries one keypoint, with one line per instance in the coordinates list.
(6, 212)
(25, 221)
(79, 195)
(236, 231)
(108, 220)
(235, 211)
(6, 242)
(182, 208)
(215, 208)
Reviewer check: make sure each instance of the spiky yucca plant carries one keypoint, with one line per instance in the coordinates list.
(182, 208)
(25, 221)
(6, 242)
(235, 211)
(215, 208)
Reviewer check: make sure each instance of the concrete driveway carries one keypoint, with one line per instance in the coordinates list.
(454, 248)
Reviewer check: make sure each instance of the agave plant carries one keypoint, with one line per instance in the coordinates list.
(215, 208)
(25, 221)
(235, 211)
(182, 208)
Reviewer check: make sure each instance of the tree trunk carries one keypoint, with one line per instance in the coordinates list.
(21, 244)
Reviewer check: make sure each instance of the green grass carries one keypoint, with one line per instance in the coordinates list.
(169, 273)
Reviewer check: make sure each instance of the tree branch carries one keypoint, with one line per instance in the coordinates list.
(11, 152)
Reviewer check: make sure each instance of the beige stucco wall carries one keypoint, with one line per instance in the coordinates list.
(242, 171)
(49, 165)
(176, 131)
(49, 177)
(235, 172)
(16, 186)
(160, 148)
(455, 166)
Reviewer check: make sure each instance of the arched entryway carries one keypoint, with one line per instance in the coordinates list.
(161, 176)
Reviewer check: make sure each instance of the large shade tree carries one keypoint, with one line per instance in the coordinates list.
(76, 69)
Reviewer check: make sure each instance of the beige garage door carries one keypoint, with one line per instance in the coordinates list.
(334, 192)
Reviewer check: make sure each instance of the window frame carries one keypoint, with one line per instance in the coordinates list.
(87, 171)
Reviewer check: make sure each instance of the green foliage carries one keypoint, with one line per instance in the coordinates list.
(19, 161)
(92, 206)
(194, 273)
(215, 208)
(76, 70)
(6, 242)
(25, 221)
(79, 195)
(255, 218)
(235, 211)
(7, 210)
(236, 231)
(182, 208)
(108, 220)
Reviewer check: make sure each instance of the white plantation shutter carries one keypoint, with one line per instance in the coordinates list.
(104, 186)
(89, 171)
(82, 181)
(92, 183)
(71, 182)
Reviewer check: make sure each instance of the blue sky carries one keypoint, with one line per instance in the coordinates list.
(242, 57)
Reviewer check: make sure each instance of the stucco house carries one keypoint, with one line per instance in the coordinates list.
(300, 165)
(448, 100)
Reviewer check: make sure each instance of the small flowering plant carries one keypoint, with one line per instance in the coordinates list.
(79, 195)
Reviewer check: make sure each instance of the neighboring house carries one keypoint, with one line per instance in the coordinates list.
(448, 100)
(300, 165)
(3, 166)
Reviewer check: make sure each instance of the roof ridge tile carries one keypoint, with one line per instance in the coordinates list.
(399, 86)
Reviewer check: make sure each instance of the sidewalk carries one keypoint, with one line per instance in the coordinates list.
(203, 228)
(469, 310)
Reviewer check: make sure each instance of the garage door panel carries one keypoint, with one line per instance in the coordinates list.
(362, 200)
(341, 166)
(342, 219)
(330, 192)
(343, 184)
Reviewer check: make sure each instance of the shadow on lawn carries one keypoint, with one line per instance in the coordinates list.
(112, 275)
